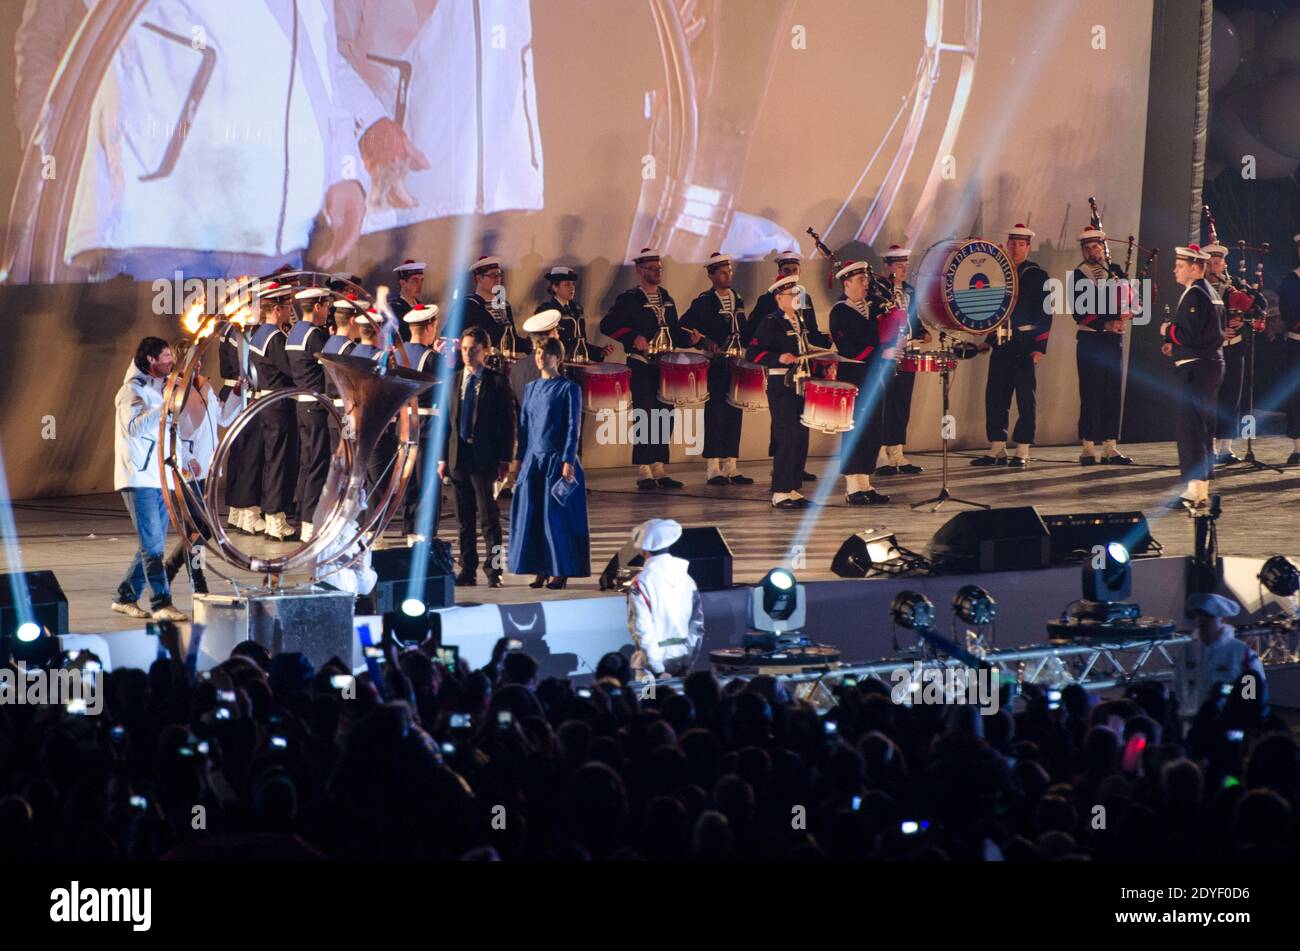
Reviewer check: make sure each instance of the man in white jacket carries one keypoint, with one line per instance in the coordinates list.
(136, 475)
(664, 613)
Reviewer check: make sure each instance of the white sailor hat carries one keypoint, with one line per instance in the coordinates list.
(717, 259)
(1216, 249)
(897, 252)
(657, 534)
(542, 322)
(853, 267)
(561, 273)
(311, 293)
(1021, 230)
(273, 291)
(485, 262)
(370, 316)
(421, 313)
(783, 284)
(789, 257)
(409, 267)
(1215, 605)
(1091, 234)
(346, 303)
(1192, 252)
(646, 254)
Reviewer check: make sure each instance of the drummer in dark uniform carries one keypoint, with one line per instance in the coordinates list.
(1194, 339)
(634, 321)
(779, 338)
(488, 307)
(562, 294)
(422, 321)
(370, 346)
(857, 332)
(1013, 364)
(898, 394)
(306, 339)
(279, 468)
(719, 314)
(244, 461)
(410, 283)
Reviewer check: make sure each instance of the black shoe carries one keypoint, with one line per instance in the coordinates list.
(646, 485)
(909, 469)
(886, 470)
(1227, 459)
(741, 480)
(790, 504)
(667, 483)
(557, 584)
(1087, 459)
(809, 477)
(1119, 459)
(495, 580)
(869, 497)
(989, 461)
(1293, 459)
(719, 480)
(1187, 505)
(1018, 462)
(465, 578)
(538, 581)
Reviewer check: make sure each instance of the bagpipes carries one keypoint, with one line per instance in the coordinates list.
(880, 294)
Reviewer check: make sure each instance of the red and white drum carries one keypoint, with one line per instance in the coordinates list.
(683, 378)
(825, 367)
(605, 386)
(967, 286)
(748, 387)
(828, 405)
(923, 361)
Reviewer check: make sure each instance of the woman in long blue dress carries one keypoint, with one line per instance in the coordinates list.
(549, 538)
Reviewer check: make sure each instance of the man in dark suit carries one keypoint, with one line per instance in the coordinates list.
(480, 445)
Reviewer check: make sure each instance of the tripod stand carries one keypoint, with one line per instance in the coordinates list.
(1249, 458)
(946, 370)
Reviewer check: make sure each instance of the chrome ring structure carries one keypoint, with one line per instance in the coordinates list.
(373, 393)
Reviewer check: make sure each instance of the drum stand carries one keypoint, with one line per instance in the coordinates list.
(945, 376)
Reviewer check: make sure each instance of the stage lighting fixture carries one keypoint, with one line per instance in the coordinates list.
(28, 631)
(974, 605)
(1113, 580)
(413, 607)
(1280, 577)
(912, 610)
(780, 594)
(407, 629)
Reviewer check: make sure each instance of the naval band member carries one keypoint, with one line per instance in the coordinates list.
(279, 428)
(857, 332)
(306, 339)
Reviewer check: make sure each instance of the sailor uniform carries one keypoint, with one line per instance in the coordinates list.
(339, 345)
(718, 317)
(425, 360)
(855, 328)
(279, 471)
(773, 336)
(1196, 335)
(1100, 357)
(1234, 358)
(304, 342)
(381, 462)
(244, 461)
(898, 394)
(1011, 364)
(665, 616)
(572, 328)
(634, 315)
(493, 321)
(401, 307)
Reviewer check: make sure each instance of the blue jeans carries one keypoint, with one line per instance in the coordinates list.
(149, 515)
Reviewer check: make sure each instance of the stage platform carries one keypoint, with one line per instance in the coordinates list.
(88, 541)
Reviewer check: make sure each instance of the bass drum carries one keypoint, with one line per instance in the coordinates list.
(966, 286)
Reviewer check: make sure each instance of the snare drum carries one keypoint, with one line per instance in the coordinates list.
(828, 405)
(748, 387)
(825, 367)
(926, 361)
(605, 386)
(683, 378)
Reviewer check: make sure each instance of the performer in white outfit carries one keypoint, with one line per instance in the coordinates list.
(664, 612)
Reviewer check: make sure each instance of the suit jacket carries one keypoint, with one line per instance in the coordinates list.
(494, 425)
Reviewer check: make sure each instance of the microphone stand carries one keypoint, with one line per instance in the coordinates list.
(1249, 458)
(945, 375)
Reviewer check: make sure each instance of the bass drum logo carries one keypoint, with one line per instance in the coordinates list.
(979, 286)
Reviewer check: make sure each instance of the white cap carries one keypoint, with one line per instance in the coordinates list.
(485, 262)
(561, 273)
(421, 313)
(853, 267)
(368, 316)
(897, 252)
(1091, 234)
(1192, 252)
(346, 303)
(646, 254)
(783, 283)
(717, 259)
(1021, 230)
(542, 322)
(1218, 249)
(656, 534)
(409, 267)
(793, 257)
(311, 293)
(273, 291)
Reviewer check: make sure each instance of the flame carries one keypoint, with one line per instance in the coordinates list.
(193, 322)
(241, 317)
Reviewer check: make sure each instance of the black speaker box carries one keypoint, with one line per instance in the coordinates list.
(853, 560)
(705, 548)
(49, 603)
(393, 565)
(1074, 536)
(1011, 539)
